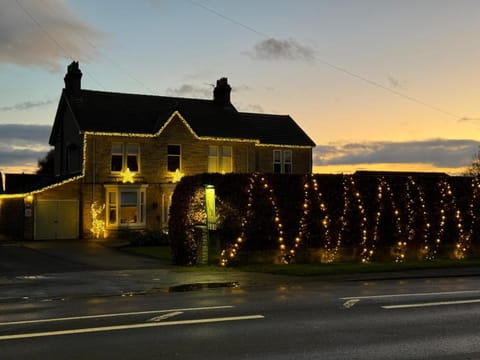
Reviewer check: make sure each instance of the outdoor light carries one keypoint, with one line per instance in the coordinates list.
(210, 207)
(127, 176)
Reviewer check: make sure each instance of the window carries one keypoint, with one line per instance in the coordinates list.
(282, 162)
(220, 159)
(126, 206)
(125, 156)
(174, 155)
(287, 162)
(277, 161)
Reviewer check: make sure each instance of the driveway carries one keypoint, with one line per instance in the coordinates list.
(38, 257)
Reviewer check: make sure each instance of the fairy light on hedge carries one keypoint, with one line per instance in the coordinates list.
(413, 211)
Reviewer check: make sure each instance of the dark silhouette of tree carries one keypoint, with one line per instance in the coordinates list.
(46, 166)
(474, 168)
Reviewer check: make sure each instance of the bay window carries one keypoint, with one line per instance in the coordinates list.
(125, 205)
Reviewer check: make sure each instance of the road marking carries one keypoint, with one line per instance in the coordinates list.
(440, 303)
(349, 303)
(412, 294)
(132, 326)
(112, 315)
(165, 316)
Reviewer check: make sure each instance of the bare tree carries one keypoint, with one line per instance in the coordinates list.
(46, 165)
(474, 168)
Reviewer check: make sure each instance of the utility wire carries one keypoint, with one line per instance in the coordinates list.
(66, 53)
(329, 64)
(110, 59)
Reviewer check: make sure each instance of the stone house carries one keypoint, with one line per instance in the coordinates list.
(124, 153)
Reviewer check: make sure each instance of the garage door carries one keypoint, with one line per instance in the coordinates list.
(56, 219)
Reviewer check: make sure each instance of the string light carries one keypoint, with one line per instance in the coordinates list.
(98, 228)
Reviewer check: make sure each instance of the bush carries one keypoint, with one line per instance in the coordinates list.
(146, 238)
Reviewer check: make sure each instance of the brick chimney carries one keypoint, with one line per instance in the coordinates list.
(221, 93)
(73, 79)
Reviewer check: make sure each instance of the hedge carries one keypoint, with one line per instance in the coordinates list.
(325, 218)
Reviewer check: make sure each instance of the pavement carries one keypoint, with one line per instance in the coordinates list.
(56, 270)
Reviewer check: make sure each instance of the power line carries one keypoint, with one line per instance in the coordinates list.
(52, 39)
(329, 64)
(111, 60)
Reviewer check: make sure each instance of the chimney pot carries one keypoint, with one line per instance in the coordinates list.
(73, 79)
(221, 93)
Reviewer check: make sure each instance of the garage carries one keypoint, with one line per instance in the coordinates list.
(56, 219)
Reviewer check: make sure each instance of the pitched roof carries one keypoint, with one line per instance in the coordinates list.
(100, 111)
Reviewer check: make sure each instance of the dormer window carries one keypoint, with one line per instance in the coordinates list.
(125, 156)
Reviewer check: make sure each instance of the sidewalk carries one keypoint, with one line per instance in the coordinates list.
(92, 268)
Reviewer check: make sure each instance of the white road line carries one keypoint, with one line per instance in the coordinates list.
(165, 316)
(349, 303)
(112, 315)
(128, 327)
(412, 294)
(440, 303)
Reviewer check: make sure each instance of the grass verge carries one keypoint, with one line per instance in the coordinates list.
(163, 253)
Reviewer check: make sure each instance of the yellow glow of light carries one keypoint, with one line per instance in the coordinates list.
(127, 176)
(177, 176)
(98, 228)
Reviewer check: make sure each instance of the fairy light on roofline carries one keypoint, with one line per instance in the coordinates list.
(177, 114)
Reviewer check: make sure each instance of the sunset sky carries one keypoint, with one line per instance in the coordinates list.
(377, 84)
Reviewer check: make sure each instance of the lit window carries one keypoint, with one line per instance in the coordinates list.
(126, 206)
(220, 159)
(174, 156)
(125, 156)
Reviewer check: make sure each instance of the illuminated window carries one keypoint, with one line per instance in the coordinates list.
(174, 157)
(126, 206)
(220, 159)
(125, 156)
(282, 162)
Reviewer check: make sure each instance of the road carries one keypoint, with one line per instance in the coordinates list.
(433, 318)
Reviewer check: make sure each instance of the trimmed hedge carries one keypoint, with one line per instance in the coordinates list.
(333, 217)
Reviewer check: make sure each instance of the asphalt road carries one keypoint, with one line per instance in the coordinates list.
(384, 319)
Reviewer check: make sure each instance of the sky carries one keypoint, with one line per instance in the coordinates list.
(377, 84)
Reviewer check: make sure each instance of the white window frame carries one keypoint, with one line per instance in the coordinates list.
(124, 153)
(113, 199)
(217, 161)
(175, 155)
(283, 161)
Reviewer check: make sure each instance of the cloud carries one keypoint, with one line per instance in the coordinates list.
(27, 105)
(188, 90)
(468, 119)
(395, 83)
(274, 49)
(437, 152)
(44, 33)
(22, 145)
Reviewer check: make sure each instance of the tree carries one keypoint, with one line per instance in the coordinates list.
(46, 166)
(474, 168)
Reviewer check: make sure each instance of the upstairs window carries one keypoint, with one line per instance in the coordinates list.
(282, 161)
(220, 159)
(277, 161)
(125, 156)
(174, 157)
(287, 162)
